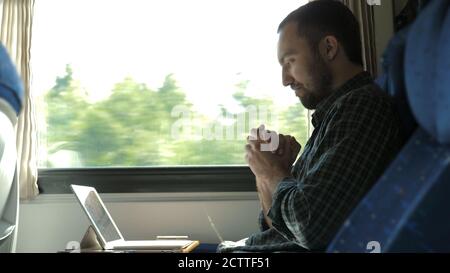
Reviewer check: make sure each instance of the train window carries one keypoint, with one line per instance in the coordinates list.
(157, 83)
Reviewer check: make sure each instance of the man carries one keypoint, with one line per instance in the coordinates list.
(356, 134)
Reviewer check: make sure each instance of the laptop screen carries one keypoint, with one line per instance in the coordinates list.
(101, 218)
(97, 212)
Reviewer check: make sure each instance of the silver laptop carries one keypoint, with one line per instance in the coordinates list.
(108, 234)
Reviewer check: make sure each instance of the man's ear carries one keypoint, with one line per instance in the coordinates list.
(330, 47)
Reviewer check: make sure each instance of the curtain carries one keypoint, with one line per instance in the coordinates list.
(15, 34)
(364, 14)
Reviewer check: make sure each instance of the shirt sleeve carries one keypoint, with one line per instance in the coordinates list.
(263, 226)
(354, 146)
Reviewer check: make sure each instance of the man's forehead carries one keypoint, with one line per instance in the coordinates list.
(289, 35)
(289, 41)
(289, 28)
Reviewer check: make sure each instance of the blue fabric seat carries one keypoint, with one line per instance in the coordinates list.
(393, 82)
(407, 209)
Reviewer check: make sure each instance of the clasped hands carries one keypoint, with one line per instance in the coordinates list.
(270, 156)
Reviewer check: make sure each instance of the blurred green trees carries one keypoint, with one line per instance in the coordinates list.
(138, 126)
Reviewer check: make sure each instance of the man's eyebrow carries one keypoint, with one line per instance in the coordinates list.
(286, 54)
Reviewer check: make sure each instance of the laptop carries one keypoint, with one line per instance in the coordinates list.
(109, 236)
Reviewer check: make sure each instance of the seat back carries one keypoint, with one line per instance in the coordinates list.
(392, 81)
(406, 209)
(11, 97)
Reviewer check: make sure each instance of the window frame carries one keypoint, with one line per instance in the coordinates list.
(149, 179)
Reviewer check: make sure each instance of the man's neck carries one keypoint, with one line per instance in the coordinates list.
(344, 74)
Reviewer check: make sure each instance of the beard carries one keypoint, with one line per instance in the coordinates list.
(321, 81)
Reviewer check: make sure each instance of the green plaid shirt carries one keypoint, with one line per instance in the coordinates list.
(356, 135)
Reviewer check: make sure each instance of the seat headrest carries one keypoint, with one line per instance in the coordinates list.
(11, 88)
(427, 69)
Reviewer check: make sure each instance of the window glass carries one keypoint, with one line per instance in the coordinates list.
(158, 83)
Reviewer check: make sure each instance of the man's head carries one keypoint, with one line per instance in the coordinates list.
(318, 44)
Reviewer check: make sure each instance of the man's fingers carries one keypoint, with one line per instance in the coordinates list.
(253, 144)
(261, 128)
(272, 142)
(248, 151)
(253, 134)
(287, 144)
(263, 134)
(295, 148)
(248, 148)
(267, 140)
(252, 141)
(281, 142)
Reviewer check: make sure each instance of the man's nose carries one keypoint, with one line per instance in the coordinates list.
(286, 77)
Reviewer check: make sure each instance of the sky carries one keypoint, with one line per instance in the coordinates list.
(209, 46)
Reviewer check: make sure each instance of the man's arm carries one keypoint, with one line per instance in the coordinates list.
(265, 198)
(266, 181)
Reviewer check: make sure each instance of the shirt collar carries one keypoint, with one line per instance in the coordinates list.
(357, 81)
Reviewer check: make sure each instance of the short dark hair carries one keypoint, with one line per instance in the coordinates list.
(320, 18)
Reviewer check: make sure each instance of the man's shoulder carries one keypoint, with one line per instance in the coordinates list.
(364, 103)
(367, 96)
